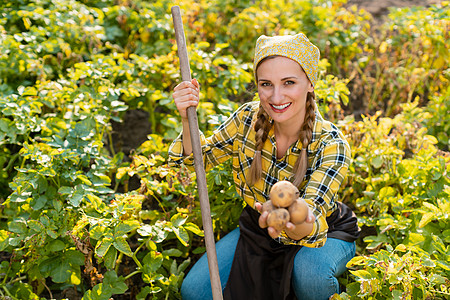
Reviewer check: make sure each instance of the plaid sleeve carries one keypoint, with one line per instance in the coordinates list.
(176, 156)
(329, 170)
(216, 149)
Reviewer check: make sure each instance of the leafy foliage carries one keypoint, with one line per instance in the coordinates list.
(73, 225)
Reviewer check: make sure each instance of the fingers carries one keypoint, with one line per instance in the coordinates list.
(310, 218)
(273, 232)
(193, 84)
(186, 94)
(262, 221)
(196, 83)
(258, 206)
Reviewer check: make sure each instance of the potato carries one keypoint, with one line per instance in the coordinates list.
(278, 218)
(298, 211)
(283, 193)
(267, 206)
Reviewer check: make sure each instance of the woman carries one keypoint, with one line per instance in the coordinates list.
(280, 137)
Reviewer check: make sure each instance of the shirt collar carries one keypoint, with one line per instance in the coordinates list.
(318, 124)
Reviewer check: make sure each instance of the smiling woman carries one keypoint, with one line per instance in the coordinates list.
(282, 136)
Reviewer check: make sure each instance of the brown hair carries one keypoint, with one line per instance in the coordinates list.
(262, 128)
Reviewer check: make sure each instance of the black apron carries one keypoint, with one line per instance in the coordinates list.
(262, 267)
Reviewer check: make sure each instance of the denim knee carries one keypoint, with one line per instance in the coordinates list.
(197, 284)
(316, 269)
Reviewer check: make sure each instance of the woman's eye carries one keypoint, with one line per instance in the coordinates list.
(265, 84)
(289, 82)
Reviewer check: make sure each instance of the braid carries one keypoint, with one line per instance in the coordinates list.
(301, 165)
(262, 128)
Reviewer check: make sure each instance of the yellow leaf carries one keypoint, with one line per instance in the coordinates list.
(383, 47)
(426, 218)
(26, 23)
(121, 172)
(431, 207)
(401, 248)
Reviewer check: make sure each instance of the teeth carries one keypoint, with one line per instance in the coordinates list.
(281, 106)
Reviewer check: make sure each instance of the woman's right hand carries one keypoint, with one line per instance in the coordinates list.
(186, 94)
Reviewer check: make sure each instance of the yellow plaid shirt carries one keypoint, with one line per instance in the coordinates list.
(328, 157)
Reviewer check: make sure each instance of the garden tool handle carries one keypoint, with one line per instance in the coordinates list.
(198, 160)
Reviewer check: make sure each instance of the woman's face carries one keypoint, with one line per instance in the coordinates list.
(282, 89)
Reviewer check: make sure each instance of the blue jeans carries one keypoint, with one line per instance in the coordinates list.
(314, 275)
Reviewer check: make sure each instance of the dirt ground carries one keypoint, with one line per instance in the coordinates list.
(380, 8)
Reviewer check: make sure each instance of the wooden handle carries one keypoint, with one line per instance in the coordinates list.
(198, 160)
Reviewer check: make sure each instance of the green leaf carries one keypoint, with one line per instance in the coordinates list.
(145, 291)
(194, 229)
(61, 272)
(24, 291)
(361, 274)
(152, 262)
(95, 200)
(56, 245)
(3, 239)
(65, 190)
(117, 285)
(121, 245)
(17, 226)
(39, 202)
(35, 225)
(145, 230)
(97, 231)
(110, 258)
(426, 218)
(182, 235)
(77, 196)
(172, 252)
(183, 266)
(74, 257)
(126, 226)
(84, 179)
(377, 162)
(173, 267)
(102, 246)
(396, 294)
(42, 184)
(178, 220)
(426, 262)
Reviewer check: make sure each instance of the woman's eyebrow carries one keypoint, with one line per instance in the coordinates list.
(289, 77)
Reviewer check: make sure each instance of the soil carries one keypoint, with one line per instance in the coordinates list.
(380, 8)
(129, 134)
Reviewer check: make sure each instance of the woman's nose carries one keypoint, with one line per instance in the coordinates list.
(277, 95)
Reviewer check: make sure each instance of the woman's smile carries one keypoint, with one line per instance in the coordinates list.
(280, 108)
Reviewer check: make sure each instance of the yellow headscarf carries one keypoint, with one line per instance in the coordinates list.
(296, 47)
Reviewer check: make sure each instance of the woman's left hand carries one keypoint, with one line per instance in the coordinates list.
(274, 233)
(263, 223)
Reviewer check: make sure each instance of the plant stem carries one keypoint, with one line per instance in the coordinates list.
(119, 260)
(160, 204)
(138, 263)
(11, 162)
(7, 292)
(132, 274)
(111, 146)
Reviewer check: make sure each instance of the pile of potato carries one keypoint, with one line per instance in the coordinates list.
(285, 205)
